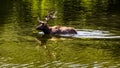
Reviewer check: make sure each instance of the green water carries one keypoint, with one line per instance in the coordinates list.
(21, 46)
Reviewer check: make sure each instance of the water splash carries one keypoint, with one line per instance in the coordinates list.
(89, 33)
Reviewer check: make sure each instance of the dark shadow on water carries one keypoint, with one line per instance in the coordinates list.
(43, 38)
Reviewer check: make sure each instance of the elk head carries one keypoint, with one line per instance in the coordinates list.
(42, 25)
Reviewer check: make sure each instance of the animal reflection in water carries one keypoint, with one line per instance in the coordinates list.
(42, 25)
(42, 39)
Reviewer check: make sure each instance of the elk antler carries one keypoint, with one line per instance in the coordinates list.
(51, 15)
(38, 20)
(54, 15)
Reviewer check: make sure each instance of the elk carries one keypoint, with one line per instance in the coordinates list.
(42, 25)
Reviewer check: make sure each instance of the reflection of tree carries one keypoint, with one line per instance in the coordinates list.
(23, 9)
(71, 9)
(17, 12)
(5, 8)
(113, 5)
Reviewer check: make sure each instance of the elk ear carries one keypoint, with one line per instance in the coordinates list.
(52, 14)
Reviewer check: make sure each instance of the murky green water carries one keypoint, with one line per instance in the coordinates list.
(97, 44)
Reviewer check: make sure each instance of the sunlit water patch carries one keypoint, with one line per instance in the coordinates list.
(60, 64)
(89, 33)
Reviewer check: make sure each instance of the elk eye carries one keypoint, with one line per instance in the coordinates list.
(43, 24)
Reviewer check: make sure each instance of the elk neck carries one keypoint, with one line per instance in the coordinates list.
(46, 30)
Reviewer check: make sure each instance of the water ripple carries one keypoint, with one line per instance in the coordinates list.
(89, 33)
(60, 64)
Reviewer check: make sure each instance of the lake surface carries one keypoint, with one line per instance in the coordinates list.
(97, 44)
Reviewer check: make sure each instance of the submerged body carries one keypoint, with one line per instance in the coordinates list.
(57, 30)
(62, 30)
